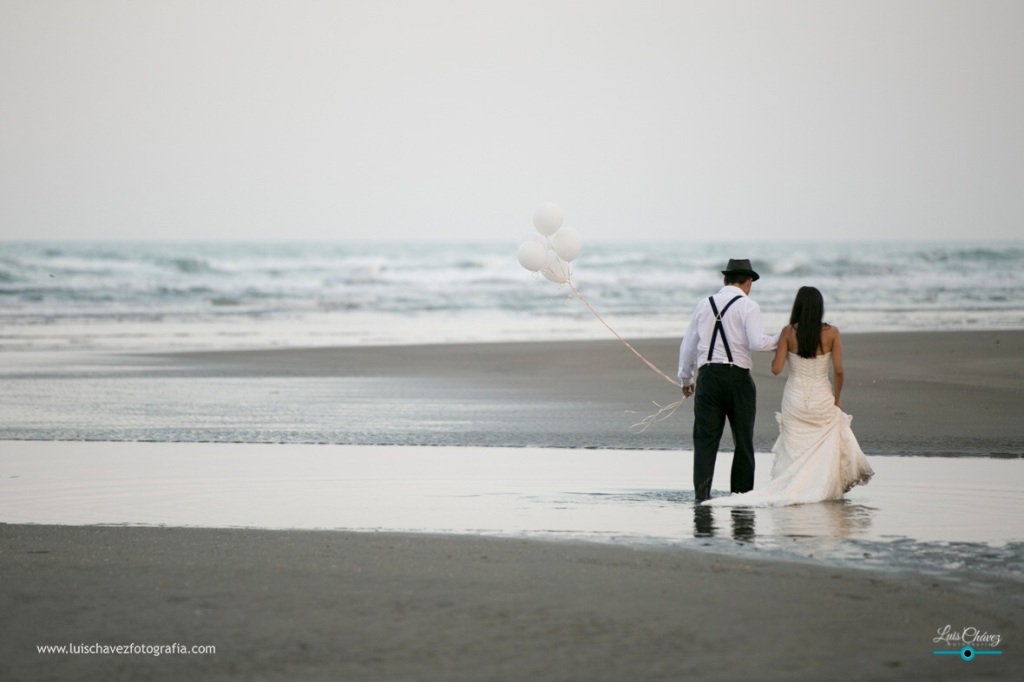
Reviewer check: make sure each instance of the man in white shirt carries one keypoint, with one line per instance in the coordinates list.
(726, 328)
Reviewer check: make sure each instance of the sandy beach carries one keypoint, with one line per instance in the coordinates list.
(499, 580)
(948, 393)
(325, 605)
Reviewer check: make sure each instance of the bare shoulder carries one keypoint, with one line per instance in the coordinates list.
(829, 337)
(787, 338)
(787, 333)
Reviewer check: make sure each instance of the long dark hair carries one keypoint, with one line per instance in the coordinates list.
(806, 318)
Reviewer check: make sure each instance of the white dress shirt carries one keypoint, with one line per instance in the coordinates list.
(743, 327)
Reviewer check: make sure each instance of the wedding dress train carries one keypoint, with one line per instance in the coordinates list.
(817, 457)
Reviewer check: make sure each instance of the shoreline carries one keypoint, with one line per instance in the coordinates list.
(911, 393)
(495, 446)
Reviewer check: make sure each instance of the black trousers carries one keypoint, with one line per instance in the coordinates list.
(723, 391)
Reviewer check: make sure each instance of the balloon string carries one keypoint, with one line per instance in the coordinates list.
(662, 414)
(647, 362)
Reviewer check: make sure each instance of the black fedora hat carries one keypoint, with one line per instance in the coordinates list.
(740, 266)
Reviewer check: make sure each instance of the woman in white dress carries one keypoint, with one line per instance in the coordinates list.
(817, 457)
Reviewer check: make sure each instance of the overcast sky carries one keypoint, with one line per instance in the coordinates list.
(212, 119)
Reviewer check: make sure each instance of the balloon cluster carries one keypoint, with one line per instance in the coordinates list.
(550, 251)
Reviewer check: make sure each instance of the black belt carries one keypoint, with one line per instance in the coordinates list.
(724, 364)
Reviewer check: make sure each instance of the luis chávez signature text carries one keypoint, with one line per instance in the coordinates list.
(969, 636)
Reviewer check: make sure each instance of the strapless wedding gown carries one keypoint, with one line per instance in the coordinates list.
(817, 457)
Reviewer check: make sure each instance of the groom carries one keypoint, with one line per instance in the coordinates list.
(724, 330)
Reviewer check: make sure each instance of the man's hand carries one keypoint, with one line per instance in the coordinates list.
(687, 391)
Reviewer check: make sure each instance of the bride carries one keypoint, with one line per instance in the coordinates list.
(817, 456)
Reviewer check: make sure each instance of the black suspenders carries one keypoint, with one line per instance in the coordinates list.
(719, 329)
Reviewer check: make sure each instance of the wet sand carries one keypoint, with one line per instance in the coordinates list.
(285, 605)
(377, 606)
(910, 393)
(946, 393)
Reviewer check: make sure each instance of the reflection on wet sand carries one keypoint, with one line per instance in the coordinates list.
(838, 520)
(742, 524)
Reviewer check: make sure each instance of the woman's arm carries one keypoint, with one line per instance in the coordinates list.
(837, 366)
(779, 361)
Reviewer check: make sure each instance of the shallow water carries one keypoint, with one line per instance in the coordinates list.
(958, 518)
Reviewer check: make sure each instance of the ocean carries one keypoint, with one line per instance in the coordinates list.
(147, 296)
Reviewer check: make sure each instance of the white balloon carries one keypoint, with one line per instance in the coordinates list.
(547, 218)
(556, 269)
(532, 255)
(567, 243)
